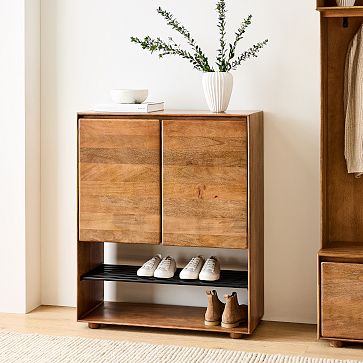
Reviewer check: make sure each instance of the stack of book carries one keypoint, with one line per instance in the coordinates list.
(130, 107)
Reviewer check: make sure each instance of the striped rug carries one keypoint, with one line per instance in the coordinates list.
(33, 348)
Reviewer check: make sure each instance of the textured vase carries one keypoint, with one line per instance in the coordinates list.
(217, 88)
(345, 2)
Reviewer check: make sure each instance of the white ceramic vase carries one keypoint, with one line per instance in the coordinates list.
(345, 2)
(217, 88)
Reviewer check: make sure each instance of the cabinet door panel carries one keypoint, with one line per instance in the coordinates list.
(205, 183)
(342, 300)
(119, 181)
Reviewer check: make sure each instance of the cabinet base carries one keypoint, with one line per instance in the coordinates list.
(336, 343)
(236, 335)
(94, 326)
(156, 316)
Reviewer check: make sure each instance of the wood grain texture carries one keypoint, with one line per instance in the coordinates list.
(202, 158)
(344, 193)
(156, 316)
(89, 293)
(256, 220)
(323, 129)
(342, 300)
(119, 180)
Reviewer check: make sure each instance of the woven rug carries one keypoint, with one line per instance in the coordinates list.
(33, 348)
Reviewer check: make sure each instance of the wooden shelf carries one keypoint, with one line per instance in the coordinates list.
(339, 12)
(155, 316)
(343, 250)
(126, 273)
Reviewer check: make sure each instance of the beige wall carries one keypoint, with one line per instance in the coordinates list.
(32, 152)
(86, 51)
(20, 155)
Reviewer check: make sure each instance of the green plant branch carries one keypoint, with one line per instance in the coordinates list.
(252, 52)
(222, 62)
(176, 25)
(239, 36)
(158, 45)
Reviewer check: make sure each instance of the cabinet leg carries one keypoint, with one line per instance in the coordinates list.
(336, 343)
(94, 325)
(236, 335)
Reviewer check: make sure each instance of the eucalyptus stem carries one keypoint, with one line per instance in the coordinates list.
(221, 57)
(252, 52)
(158, 45)
(199, 55)
(239, 36)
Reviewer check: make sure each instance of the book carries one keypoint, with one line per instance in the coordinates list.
(130, 107)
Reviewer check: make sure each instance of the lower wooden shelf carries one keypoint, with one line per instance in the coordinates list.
(345, 250)
(155, 316)
(339, 11)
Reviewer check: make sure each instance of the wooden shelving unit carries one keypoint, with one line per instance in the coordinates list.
(340, 260)
(186, 179)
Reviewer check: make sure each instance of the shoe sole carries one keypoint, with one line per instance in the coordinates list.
(211, 323)
(231, 325)
(188, 279)
(145, 275)
(163, 277)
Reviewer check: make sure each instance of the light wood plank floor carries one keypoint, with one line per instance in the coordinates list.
(270, 337)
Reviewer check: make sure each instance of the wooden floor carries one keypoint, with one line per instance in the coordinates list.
(283, 338)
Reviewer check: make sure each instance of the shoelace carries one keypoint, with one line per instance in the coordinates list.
(193, 263)
(164, 264)
(149, 264)
(210, 264)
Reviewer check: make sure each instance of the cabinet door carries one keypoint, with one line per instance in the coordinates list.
(119, 181)
(342, 300)
(205, 183)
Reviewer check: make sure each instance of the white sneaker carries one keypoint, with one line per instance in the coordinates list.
(192, 269)
(166, 268)
(211, 270)
(148, 268)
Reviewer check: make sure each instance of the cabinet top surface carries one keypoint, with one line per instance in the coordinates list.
(168, 114)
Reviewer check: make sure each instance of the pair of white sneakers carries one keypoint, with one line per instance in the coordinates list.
(208, 270)
(160, 268)
(165, 268)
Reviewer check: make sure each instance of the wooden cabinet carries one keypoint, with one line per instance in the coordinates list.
(205, 183)
(173, 178)
(119, 174)
(342, 300)
(340, 260)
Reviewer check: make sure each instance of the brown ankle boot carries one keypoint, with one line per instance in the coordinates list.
(233, 314)
(214, 311)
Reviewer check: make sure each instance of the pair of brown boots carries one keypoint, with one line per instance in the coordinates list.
(229, 315)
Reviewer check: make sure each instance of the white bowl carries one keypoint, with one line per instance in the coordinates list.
(345, 2)
(129, 95)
